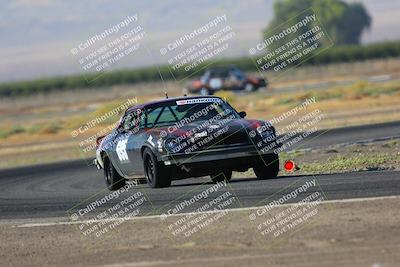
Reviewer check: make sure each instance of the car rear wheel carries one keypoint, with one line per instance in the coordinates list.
(156, 174)
(269, 169)
(219, 177)
(114, 181)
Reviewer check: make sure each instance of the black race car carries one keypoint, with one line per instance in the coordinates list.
(225, 78)
(186, 137)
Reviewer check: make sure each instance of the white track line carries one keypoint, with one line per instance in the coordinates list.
(27, 225)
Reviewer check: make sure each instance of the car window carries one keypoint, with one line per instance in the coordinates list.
(168, 115)
(171, 113)
(152, 116)
(130, 121)
(163, 115)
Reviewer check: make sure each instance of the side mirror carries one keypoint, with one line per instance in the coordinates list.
(242, 114)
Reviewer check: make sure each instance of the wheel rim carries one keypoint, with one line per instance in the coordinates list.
(149, 169)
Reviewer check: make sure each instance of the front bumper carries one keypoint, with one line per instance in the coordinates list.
(216, 154)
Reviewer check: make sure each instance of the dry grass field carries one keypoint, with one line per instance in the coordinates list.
(39, 128)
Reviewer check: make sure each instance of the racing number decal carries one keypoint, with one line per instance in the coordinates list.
(121, 150)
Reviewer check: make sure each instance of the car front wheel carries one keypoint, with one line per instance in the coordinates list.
(156, 174)
(269, 168)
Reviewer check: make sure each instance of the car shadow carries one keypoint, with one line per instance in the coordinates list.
(249, 179)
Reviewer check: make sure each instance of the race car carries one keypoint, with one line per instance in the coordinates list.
(225, 78)
(177, 138)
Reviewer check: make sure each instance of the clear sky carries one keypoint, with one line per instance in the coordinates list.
(37, 35)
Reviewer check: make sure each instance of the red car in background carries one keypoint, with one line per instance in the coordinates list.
(225, 78)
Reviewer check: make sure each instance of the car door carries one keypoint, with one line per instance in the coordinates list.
(136, 136)
(118, 153)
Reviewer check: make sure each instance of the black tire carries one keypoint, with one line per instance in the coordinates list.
(269, 169)
(221, 176)
(156, 174)
(114, 181)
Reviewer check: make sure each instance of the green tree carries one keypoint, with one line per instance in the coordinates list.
(344, 22)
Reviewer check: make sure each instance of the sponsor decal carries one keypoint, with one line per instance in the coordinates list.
(198, 100)
(201, 134)
(150, 140)
(213, 126)
(121, 150)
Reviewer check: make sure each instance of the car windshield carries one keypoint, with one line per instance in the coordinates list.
(187, 111)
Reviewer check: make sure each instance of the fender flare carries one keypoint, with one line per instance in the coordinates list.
(149, 146)
(103, 154)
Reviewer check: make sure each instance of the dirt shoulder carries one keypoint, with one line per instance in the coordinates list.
(363, 156)
(361, 233)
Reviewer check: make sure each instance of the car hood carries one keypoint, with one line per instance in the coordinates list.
(207, 135)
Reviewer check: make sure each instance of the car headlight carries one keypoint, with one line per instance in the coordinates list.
(267, 134)
(172, 145)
